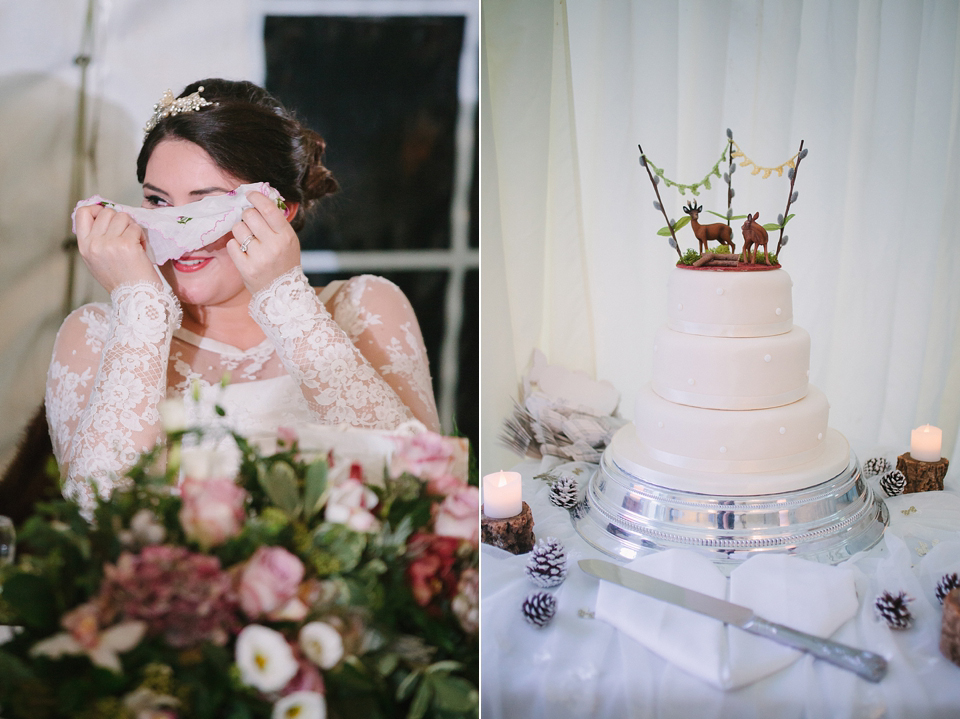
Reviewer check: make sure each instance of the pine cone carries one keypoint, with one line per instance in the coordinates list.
(893, 482)
(539, 608)
(547, 566)
(948, 582)
(563, 492)
(893, 610)
(876, 465)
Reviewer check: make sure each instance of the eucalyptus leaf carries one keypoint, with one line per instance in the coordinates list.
(315, 486)
(421, 702)
(407, 685)
(279, 481)
(453, 694)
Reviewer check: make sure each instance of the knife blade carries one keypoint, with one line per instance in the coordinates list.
(868, 665)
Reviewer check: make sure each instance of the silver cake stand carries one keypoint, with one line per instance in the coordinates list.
(625, 516)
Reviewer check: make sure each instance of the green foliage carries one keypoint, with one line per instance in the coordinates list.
(689, 257)
(360, 582)
(678, 225)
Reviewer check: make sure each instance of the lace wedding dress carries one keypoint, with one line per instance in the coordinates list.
(351, 355)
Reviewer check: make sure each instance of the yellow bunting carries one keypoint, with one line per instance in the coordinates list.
(757, 169)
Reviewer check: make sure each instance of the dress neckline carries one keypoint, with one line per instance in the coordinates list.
(206, 343)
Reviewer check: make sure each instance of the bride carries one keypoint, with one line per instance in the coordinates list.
(237, 312)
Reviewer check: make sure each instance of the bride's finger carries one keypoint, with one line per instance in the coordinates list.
(273, 216)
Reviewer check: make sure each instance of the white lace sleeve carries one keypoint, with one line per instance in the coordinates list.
(380, 321)
(338, 383)
(106, 378)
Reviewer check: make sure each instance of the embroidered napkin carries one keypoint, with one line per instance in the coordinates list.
(172, 232)
(811, 597)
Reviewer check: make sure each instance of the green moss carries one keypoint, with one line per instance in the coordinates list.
(689, 257)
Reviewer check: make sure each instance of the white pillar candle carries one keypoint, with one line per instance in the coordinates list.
(925, 443)
(501, 495)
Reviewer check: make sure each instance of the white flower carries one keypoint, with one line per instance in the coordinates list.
(302, 705)
(349, 503)
(119, 638)
(174, 414)
(322, 644)
(206, 462)
(264, 658)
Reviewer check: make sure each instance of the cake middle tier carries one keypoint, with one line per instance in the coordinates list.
(714, 440)
(739, 373)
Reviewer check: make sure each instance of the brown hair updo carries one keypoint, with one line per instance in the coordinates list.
(250, 135)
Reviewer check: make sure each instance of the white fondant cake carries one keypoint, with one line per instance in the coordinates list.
(729, 405)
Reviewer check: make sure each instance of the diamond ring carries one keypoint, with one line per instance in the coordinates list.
(245, 243)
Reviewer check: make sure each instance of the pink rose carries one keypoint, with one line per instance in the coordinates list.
(269, 584)
(459, 515)
(212, 511)
(427, 455)
(350, 503)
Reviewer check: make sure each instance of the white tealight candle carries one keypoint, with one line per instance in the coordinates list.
(501, 495)
(925, 443)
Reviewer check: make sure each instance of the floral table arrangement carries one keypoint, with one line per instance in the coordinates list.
(297, 588)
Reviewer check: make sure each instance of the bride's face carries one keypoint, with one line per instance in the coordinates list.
(178, 173)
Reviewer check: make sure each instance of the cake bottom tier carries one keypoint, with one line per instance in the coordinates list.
(627, 511)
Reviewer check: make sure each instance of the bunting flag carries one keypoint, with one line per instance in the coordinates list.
(757, 169)
(695, 187)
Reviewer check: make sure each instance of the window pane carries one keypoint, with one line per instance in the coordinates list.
(383, 93)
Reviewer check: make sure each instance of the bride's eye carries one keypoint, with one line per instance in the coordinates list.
(155, 201)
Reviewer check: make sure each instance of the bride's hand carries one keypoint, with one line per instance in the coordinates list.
(264, 245)
(113, 247)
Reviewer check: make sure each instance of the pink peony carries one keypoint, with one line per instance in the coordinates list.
(459, 515)
(269, 584)
(183, 596)
(426, 455)
(212, 511)
(350, 503)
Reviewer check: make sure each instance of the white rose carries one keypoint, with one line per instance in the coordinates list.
(303, 705)
(322, 644)
(264, 658)
(174, 414)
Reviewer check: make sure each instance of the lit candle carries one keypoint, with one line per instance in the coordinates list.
(925, 443)
(501, 495)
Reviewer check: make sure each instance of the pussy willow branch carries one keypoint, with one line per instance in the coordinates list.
(646, 166)
(786, 213)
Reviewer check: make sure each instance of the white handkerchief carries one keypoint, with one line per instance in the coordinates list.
(172, 232)
(811, 597)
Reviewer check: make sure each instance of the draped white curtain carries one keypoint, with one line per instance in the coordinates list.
(571, 260)
(138, 50)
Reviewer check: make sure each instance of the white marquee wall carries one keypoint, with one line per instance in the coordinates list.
(571, 260)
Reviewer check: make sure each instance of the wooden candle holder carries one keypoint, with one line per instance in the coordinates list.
(922, 476)
(950, 631)
(515, 534)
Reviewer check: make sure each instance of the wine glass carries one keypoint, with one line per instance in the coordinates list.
(8, 540)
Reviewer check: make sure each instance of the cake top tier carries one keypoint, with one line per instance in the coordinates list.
(730, 304)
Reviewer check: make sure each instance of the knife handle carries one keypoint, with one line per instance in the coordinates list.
(868, 665)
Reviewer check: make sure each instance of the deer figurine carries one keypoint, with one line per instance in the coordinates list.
(717, 231)
(754, 235)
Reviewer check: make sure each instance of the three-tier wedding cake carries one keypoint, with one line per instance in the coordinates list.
(729, 409)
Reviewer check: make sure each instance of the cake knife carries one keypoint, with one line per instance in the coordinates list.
(868, 665)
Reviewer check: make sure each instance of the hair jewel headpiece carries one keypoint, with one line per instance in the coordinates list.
(169, 105)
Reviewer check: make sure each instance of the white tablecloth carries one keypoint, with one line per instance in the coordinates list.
(580, 667)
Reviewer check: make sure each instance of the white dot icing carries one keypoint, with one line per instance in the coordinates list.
(691, 381)
(767, 358)
(783, 430)
(660, 424)
(680, 307)
(719, 290)
(779, 311)
(820, 435)
(723, 450)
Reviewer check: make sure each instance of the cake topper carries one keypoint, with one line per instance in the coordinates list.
(755, 235)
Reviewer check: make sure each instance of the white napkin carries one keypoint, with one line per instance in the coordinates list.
(174, 231)
(811, 597)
